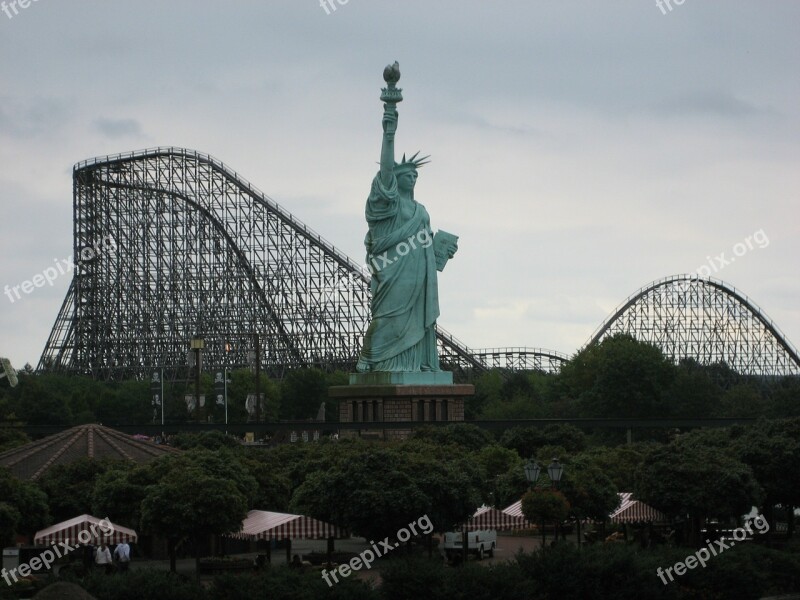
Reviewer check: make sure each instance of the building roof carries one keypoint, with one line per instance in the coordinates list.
(32, 460)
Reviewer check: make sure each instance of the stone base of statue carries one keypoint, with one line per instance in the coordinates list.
(373, 400)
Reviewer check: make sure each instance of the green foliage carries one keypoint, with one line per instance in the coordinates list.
(302, 393)
(412, 578)
(543, 504)
(596, 573)
(69, 487)
(589, 491)
(528, 440)
(620, 377)
(23, 507)
(118, 493)
(192, 502)
(144, 584)
(10, 518)
(620, 464)
(469, 437)
(772, 450)
(685, 478)
(210, 440)
(12, 438)
(377, 492)
(274, 490)
(287, 584)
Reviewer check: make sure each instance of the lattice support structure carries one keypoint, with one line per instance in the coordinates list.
(175, 244)
(707, 320)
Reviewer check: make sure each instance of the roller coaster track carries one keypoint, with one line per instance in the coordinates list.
(201, 251)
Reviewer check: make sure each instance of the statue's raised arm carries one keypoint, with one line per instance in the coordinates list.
(390, 95)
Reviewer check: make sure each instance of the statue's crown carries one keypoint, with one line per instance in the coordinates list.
(412, 163)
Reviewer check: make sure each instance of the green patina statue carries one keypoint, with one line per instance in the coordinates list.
(403, 256)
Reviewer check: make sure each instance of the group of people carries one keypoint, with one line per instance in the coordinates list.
(104, 559)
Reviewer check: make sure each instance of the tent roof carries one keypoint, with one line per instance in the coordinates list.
(69, 531)
(628, 511)
(634, 511)
(266, 525)
(34, 459)
(487, 517)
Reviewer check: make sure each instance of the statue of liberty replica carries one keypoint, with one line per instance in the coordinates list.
(403, 256)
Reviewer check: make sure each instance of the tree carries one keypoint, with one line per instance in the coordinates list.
(619, 377)
(302, 393)
(772, 450)
(696, 480)
(174, 508)
(542, 505)
(693, 393)
(619, 463)
(470, 437)
(24, 507)
(118, 493)
(69, 487)
(375, 493)
(528, 440)
(590, 492)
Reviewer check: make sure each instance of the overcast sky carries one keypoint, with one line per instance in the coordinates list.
(579, 150)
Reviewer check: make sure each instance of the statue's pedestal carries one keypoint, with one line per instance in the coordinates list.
(375, 398)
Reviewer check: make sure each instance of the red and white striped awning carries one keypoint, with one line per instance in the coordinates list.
(633, 511)
(628, 511)
(83, 530)
(265, 525)
(515, 510)
(487, 517)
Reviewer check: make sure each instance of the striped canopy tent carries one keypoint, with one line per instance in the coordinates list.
(633, 511)
(487, 517)
(515, 510)
(266, 525)
(85, 529)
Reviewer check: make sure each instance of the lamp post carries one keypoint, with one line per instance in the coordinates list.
(555, 470)
(532, 471)
(197, 345)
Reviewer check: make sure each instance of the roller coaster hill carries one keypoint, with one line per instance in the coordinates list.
(199, 251)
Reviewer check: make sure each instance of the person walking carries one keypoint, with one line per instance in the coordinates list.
(102, 558)
(123, 554)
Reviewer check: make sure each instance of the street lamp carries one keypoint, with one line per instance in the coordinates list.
(532, 470)
(555, 470)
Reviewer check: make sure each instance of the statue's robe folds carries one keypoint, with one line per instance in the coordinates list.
(404, 287)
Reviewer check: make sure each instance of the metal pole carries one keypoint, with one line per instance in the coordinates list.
(162, 401)
(258, 378)
(197, 379)
(225, 374)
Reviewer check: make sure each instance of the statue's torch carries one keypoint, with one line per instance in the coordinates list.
(391, 94)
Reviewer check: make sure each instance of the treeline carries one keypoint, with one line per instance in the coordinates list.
(622, 377)
(619, 377)
(374, 489)
(49, 399)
